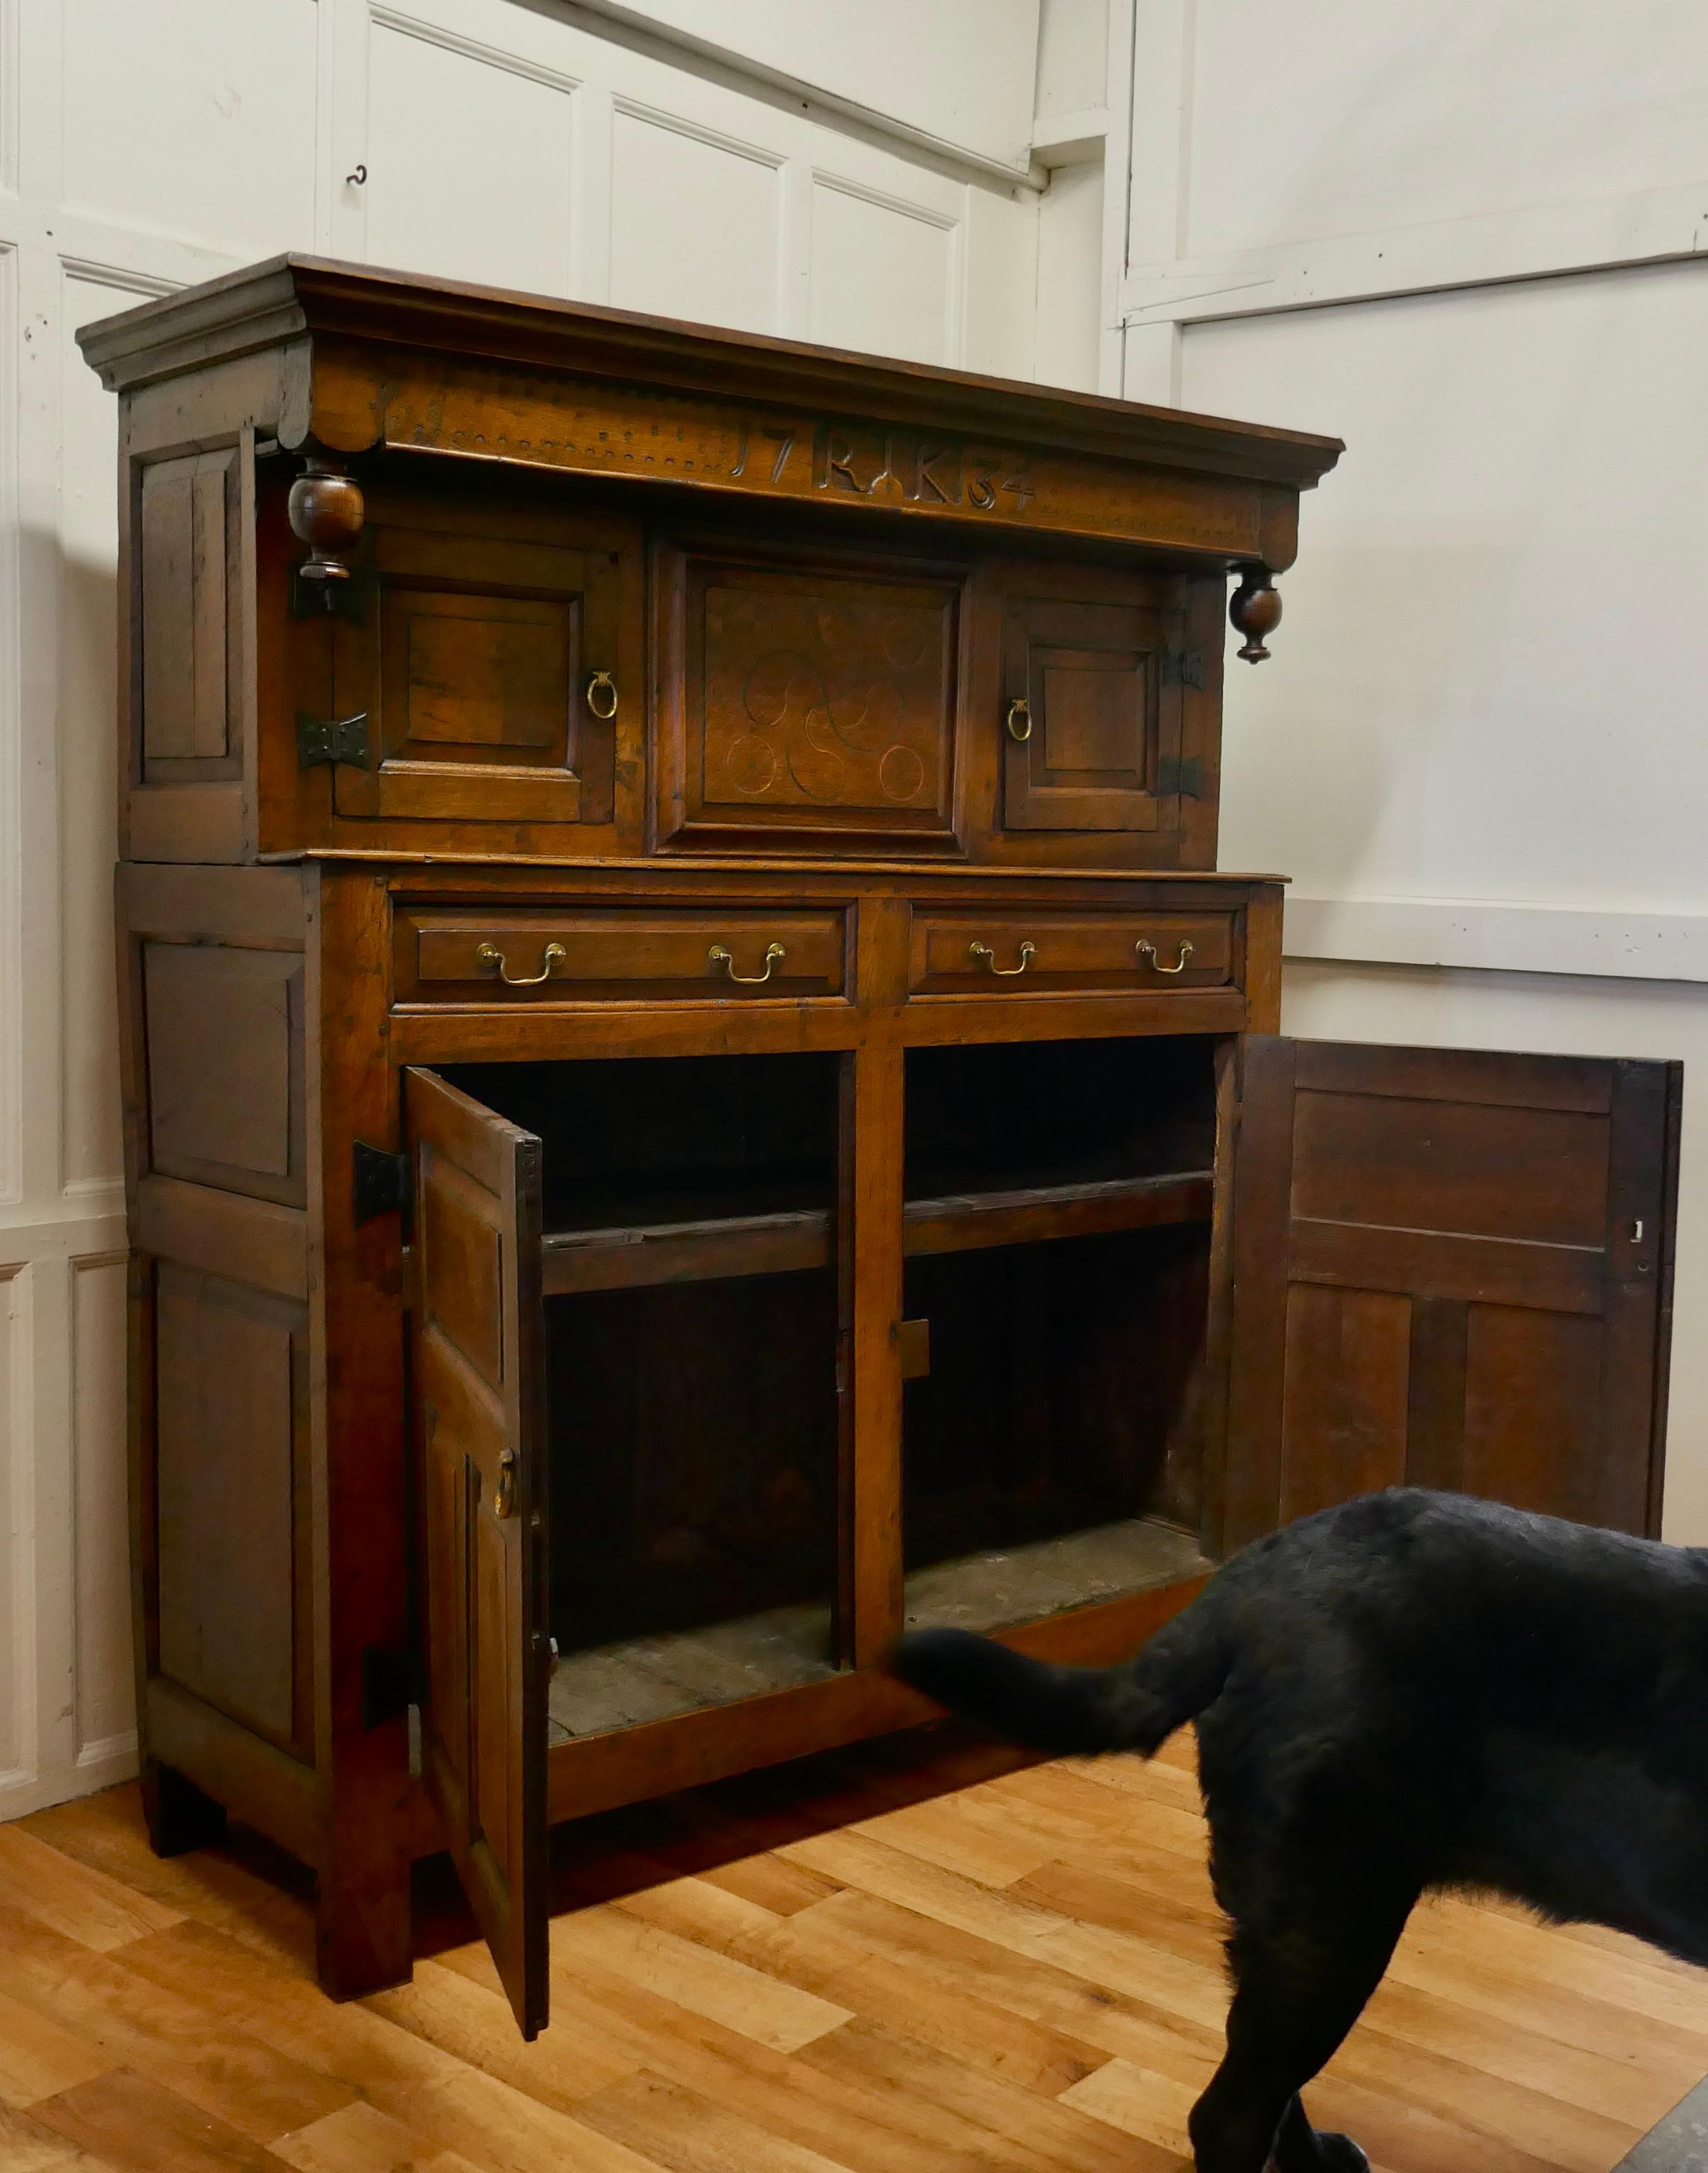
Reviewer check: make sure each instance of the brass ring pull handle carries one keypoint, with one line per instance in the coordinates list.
(1147, 950)
(980, 954)
(490, 955)
(1019, 720)
(601, 690)
(719, 955)
(504, 1493)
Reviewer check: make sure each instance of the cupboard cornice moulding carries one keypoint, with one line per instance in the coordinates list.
(263, 306)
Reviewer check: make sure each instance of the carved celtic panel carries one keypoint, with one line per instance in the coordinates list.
(824, 692)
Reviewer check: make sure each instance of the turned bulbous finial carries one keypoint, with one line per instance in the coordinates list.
(326, 511)
(1255, 610)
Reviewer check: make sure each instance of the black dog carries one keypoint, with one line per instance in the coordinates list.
(1413, 1690)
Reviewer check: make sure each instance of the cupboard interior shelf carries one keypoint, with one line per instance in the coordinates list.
(633, 1255)
(637, 1680)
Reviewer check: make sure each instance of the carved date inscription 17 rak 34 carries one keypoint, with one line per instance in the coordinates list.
(640, 431)
(888, 463)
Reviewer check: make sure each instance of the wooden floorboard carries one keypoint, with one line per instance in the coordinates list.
(926, 1956)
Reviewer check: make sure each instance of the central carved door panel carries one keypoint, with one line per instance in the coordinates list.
(811, 701)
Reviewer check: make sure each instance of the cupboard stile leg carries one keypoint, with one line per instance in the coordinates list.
(362, 1925)
(875, 1374)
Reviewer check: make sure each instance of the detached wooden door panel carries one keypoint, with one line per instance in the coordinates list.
(479, 1422)
(1452, 1269)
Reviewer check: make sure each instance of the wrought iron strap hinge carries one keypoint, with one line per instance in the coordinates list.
(379, 1182)
(1183, 667)
(331, 739)
(1186, 777)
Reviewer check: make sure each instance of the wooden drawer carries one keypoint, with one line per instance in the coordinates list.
(969, 952)
(578, 954)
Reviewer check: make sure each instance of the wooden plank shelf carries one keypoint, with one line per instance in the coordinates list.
(632, 1256)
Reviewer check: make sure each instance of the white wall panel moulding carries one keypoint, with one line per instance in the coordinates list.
(1657, 226)
(1514, 939)
(952, 79)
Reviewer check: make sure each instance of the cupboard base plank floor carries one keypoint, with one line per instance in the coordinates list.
(926, 1956)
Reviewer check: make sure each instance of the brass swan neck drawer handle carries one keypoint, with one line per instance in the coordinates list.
(1019, 719)
(720, 955)
(490, 955)
(1148, 950)
(601, 696)
(980, 954)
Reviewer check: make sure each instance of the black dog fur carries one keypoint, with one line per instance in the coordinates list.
(1412, 1690)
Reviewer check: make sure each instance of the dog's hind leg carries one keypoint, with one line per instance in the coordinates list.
(1298, 1989)
(1302, 2149)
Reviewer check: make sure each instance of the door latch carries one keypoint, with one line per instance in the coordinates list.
(331, 739)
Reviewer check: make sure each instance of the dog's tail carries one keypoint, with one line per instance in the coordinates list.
(1136, 1705)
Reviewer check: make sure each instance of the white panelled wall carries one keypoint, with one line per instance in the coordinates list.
(1464, 238)
(750, 176)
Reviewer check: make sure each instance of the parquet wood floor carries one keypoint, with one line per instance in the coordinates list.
(831, 1969)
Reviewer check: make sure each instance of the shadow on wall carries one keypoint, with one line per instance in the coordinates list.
(86, 722)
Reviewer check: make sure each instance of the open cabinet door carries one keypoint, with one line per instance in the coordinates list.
(478, 1385)
(1452, 1268)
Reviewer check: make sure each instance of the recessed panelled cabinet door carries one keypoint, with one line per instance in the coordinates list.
(487, 666)
(478, 1384)
(1108, 709)
(1452, 1268)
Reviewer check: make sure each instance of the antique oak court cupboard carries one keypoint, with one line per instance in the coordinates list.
(693, 1092)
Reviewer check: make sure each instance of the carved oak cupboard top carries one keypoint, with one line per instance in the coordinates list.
(421, 567)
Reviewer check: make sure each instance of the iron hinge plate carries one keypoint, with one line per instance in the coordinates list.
(379, 1182)
(331, 739)
(1185, 778)
(1183, 667)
